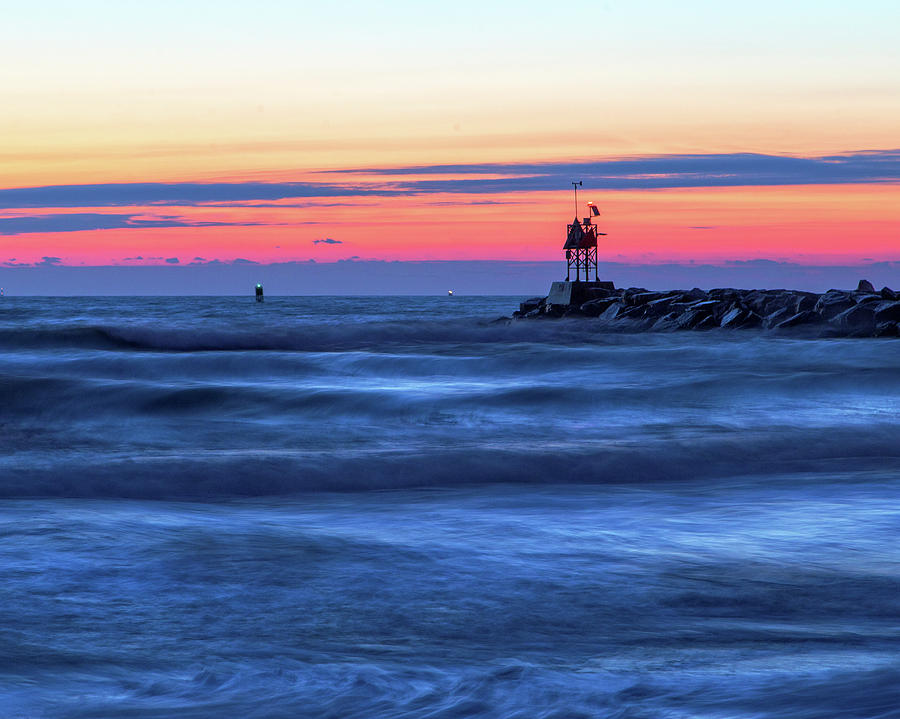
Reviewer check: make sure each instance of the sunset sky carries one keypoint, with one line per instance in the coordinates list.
(179, 132)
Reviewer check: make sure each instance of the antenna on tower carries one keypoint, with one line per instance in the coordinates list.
(576, 186)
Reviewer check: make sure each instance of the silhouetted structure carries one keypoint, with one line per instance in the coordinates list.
(259, 292)
(581, 244)
(581, 258)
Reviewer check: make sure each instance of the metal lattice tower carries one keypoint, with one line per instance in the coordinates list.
(581, 244)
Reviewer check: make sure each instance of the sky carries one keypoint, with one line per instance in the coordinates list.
(172, 133)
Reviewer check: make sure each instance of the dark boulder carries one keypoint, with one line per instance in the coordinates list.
(859, 319)
(632, 292)
(861, 299)
(599, 293)
(756, 300)
(611, 312)
(793, 302)
(642, 298)
(780, 300)
(531, 304)
(724, 307)
(832, 303)
(733, 318)
(692, 318)
(666, 322)
(635, 312)
(657, 308)
(705, 306)
(865, 286)
(552, 310)
(725, 294)
(837, 313)
(776, 317)
(707, 323)
(696, 294)
(889, 312)
(801, 318)
(805, 301)
(751, 320)
(597, 307)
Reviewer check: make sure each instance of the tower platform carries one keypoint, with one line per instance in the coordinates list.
(565, 293)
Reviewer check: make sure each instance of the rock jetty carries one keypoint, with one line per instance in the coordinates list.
(863, 312)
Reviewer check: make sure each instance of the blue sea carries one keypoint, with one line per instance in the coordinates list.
(394, 507)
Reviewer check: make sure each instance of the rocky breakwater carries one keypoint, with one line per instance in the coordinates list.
(863, 312)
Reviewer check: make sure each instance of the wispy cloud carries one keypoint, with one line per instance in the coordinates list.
(630, 173)
(327, 241)
(870, 163)
(658, 172)
(81, 221)
(172, 194)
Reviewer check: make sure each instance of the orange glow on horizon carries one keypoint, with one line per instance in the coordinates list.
(812, 224)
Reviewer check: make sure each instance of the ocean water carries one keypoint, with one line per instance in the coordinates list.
(393, 507)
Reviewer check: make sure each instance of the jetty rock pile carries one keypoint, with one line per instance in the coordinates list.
(864, 312)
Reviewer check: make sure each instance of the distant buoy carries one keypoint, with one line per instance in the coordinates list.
(259, 292)
(450, 293)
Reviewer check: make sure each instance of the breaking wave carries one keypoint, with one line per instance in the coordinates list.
(578, 523)
(200, 404)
